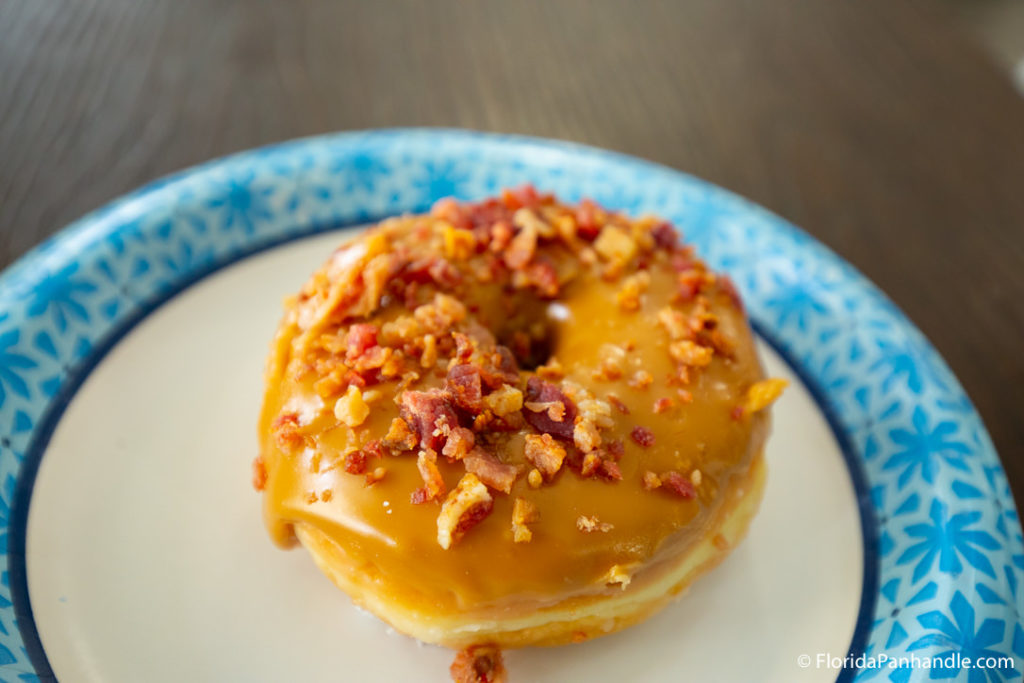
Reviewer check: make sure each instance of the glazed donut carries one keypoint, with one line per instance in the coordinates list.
(513, 422)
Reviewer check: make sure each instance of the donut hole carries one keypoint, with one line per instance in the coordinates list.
(530, 333)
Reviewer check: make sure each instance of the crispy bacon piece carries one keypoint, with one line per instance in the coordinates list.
(286, 430)
(539, 391)
(355, 462)
(478, 664)
(361, 337)
(523, 513)
(545, 453)
(491, 471)
(465, 507)
(663, 405)
(259, 474)
(618, 404)
(399, 436)
(665, 236)
(651, 481)
(499, 367)
(643, 436)
(464, 385)
(433, 483)
(609, 470)
(425, 412)
(616, 449)
(460, 442)
(678, 484)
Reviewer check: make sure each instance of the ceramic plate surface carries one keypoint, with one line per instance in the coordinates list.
(131, 351)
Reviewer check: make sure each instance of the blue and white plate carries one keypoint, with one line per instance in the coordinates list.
(131, 350)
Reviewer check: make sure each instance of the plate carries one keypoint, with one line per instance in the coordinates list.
(131, 348)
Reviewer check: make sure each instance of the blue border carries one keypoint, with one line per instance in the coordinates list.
(916, 449)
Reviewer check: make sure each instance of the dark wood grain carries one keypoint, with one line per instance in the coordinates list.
(873, 124)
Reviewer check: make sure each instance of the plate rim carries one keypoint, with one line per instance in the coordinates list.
(28, 271)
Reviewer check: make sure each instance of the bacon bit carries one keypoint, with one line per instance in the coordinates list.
(685, 395)
(499, 367)
(616, 449)
(539, 391)
(678, 484)
(507, 399)
(590, 218)
(610, 367)
(522, 247)
(459, 245)
(643, 436)
(665, 236)
(425, 412)
(399, 436)
(544, 453)
(541, 276)
(651, 481)
(535, 478)
(501, 235)
(523, 512)
(591, 524)
(618, 404)
(554, 409)
(351, 408)
(376, 475)
(429, 357)
(640, 380)
(433, 483)
(361, 337)
(259, 474)
(609, 470)
(460, 442)
(663, 405)
(615, 245)
(591, 461)
(491, 471)
(762, 394)
(463, 383)
(373, 449)
(525, 195)
(690, 353)
(552, 370)
(632, 289)
(286, 430)
(737, 413)
(355, 462)
(478, 664)
(312, 497)
(326, 495)
(465, 507)
(674, 323)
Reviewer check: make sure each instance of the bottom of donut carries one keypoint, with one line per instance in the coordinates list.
(574, 620)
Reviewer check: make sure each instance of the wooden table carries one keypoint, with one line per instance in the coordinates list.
(874, 125)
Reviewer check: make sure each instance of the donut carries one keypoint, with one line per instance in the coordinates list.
(513, 422)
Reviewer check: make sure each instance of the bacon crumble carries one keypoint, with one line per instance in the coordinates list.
(643, 436)
(466, 506)
(478, 664)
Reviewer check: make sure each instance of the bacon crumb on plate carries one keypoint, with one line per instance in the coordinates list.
(479, 664)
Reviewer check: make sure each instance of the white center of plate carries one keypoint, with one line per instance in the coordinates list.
(148, 561)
